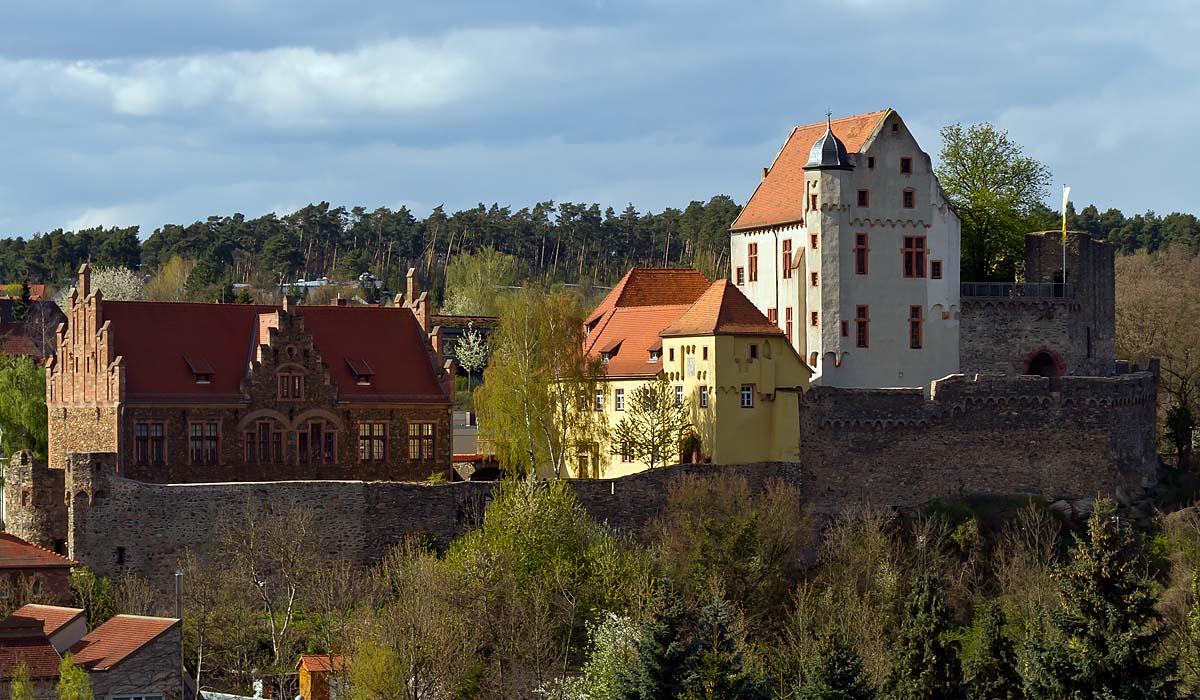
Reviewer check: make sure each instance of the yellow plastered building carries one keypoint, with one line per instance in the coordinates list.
(731, 365)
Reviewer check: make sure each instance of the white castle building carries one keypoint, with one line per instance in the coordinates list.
(850, 245)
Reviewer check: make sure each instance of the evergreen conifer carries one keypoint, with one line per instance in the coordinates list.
(663, 657)
(720, 671)
(925, 663)
(993, 670)
(836, 674)
(1106, 634)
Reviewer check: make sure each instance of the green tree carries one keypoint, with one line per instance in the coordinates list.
(992, 671)
(836, 673)
(995, 189)
(613, 647)
(536, 379)
(925, 662)
(23, 406)
(654, 424)
(73, 681)
(94, 594)
(1106, 635)
(476, 282)
(664, 656)
(21, 686)
(720, 671)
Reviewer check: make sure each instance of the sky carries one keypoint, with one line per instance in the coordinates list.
(143, 112)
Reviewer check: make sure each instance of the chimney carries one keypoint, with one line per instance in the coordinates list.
(412, 284)
(85, 280)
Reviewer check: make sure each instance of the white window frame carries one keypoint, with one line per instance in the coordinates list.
(619, 399)
(747, 396)
(599, 405)
(703, 397)
(678, 394)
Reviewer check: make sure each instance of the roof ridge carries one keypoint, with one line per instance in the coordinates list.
(26, 542)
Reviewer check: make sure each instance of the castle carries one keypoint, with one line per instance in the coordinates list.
(986, 389)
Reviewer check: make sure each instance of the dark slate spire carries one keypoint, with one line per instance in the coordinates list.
(828, 153)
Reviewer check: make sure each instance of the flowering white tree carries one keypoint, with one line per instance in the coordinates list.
(113, 283)
(472, 352)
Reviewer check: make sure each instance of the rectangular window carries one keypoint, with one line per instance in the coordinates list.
(264, 442)
(787, 320)
(291, 386)
(251, 452)
(935, 269)
(814, 319)
(812, 278)
(909, 199)
(870, 162)
(864, 198)
(787, 258)
(314, 453)
(141, 443)
(747, 396)
(297, 386)
(845, 329)
(302, 453)
(914, 327)
(862, 326)
(329, 447)
(773, 316)
(158, 444)
(703, 397)
(420, 442)
(372, 442)
(202, 443)
(753, 351)
(812, 201)
(705, 352)
(752, 261)
(678, 396)
(599, 400)
(860, 253)
(813, 240)
(741, 276)
(914, 256)
(619, 399)
(906, 165)
(277, 446)
(285, 384)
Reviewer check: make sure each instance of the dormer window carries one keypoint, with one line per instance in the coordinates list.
(361, 370)
(654, 355)
(609, 350)
(201, 370)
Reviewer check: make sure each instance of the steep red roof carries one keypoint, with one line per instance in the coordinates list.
(23, 640)
(779, 198)
(320, 663)
(115, 640)
(52, 617)
(723, 309)
(632, 332)
(16, 553)
(156, 340)
(653, 286)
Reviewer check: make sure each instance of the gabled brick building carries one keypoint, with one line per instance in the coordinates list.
(185, 392)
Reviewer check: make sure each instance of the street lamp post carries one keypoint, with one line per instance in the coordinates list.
(179, 616)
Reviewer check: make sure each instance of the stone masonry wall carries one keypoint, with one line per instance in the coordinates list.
(999, 336)
(33, 502)
(985, 436)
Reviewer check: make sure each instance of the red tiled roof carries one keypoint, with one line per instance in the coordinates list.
(723, 309)
(636, 329)
(36, 292)
(779, 198)
(52, 617)
(115, 640)
(652, 286)
(16, 553)
(320, 662)
(155, 338)
(23, 640)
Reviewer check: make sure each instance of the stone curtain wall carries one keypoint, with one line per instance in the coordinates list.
(879, 447)
(1011, 436)
(34, 508)
(998, 336)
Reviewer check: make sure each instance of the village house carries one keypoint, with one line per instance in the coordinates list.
(186, 392)
(724, 359)
(851, 247)
(128, 657)
(322, 676)
(29, 572)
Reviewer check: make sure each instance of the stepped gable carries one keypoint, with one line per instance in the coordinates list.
(779, 198)
(52, 617)
(16, 553)
(111, 643)
(160, 340)
(653, 286)
(722, 310)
